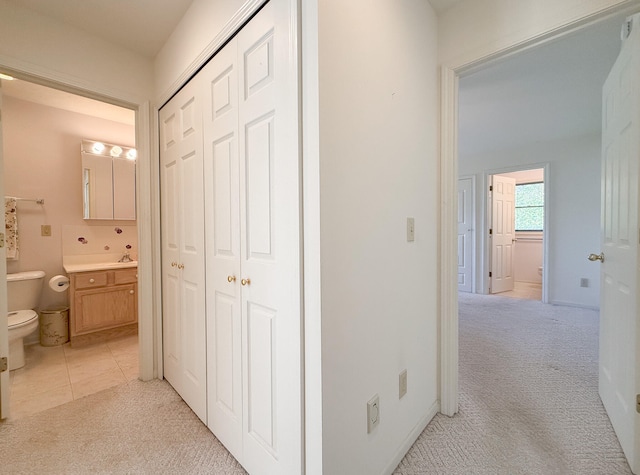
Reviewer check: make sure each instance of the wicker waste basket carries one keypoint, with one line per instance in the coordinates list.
(54, 326)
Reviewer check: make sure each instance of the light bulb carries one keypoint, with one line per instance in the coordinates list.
(116, 151)
(98, 147)
(132, 154)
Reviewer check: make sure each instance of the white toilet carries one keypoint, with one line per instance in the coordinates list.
(23, 295)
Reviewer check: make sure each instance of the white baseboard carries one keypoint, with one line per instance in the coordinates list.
(411, 438)
(572, 304)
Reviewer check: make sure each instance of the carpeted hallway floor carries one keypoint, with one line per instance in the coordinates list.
(528, 405)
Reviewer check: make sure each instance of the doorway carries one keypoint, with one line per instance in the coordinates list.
(43, 128)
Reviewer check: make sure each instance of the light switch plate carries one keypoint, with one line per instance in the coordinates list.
(411, 230)
(402, 384)
(373, 413)
(45, 230)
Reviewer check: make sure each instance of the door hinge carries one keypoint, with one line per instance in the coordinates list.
(491, 188)
(490, 274)
(638, 403)
(4, 365)
(490, 231)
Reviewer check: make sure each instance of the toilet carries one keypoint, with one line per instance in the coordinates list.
(23, 295)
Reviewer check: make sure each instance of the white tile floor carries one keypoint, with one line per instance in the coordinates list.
(59, 374)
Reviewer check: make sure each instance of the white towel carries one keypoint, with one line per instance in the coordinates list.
(11, 224)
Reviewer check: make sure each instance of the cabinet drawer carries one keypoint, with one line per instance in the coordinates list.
(126, 276)
(88, 280)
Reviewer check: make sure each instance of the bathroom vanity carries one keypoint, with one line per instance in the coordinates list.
(103, 300)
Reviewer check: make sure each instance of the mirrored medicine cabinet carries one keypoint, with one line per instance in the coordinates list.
(108, 181)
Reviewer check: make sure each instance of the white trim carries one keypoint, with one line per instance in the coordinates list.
(473, 228)
(236, 22)
(411, 438)
(574, 305)
(450, 74)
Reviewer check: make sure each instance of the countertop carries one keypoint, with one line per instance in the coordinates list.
(94, 266)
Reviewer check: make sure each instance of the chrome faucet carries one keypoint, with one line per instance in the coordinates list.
(126, 257)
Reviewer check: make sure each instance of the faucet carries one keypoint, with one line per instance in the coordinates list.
(126, 257)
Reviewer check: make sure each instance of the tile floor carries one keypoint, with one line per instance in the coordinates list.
(55, 375)
(524, 290)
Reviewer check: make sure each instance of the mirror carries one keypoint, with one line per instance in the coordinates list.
(108, 181)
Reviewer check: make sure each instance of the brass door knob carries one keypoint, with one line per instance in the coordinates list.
(231, 278)
(596, 257)
(245, 281)
(181, 266)
(174, 264)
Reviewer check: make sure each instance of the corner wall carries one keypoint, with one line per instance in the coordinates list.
(378, 165)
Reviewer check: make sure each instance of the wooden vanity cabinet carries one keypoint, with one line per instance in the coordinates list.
(104, 304)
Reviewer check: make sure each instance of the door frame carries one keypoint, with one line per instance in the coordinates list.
(449, 81)
(485, 261)
(474, 234)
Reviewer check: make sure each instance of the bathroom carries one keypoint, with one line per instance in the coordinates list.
(42, 134)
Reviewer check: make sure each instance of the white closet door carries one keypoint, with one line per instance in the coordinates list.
(183, 256)
(270, 242)
(222, 194)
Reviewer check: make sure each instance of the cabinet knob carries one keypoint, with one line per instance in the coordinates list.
(132, 292)
(245, 281)
(92, 281)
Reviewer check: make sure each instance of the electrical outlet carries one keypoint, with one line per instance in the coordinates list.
(584, 282)
(402, 384)
(45, 230)
(373, 413)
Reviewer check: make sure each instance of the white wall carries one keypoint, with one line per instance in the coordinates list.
(42, 160)
(45, 47)
(573, 192)
(378, 165)
(477, 28)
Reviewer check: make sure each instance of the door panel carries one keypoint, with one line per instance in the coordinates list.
(183, 253)
(619, 352)
(503, 233)
(465, 230)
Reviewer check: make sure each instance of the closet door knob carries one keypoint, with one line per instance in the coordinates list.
(245, 281)
(180, 266)
(231, 278)
(173, 264)
(596, 257)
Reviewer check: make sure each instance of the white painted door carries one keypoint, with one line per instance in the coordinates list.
(222, 217)
(619, 339)
(253, 236)
(4, 324)
(465, 233)
(183, 253)
(503, 233)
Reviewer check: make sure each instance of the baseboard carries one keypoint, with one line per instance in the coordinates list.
(411, 438)
(572, 304)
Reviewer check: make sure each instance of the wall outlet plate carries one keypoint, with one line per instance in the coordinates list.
(373, 413)
(402, 384)
(45, 230)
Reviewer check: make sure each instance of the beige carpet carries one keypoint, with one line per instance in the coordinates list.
(528, 396)
(528, 405)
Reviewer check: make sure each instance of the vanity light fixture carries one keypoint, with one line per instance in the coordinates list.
(6, 77)
(132, 154)
(116, 151)
(98, 147)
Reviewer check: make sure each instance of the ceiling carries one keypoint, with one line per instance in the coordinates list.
(549, 92)
(142, 26)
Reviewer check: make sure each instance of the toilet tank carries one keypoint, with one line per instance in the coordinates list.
(23, 290)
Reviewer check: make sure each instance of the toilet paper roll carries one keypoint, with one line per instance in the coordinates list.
(59, 283)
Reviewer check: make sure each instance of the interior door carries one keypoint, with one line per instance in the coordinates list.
(183, 253)
(465, 232)
(502, 233)
(619, 351)
(4, 324)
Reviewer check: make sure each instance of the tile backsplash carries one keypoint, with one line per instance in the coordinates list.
(99, 240)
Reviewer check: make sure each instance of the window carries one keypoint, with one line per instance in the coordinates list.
(530, 207)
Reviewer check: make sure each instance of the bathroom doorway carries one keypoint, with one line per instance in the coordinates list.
(43, 129)
(516, 223)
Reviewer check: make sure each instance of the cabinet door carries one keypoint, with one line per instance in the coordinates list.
(104, 308)
(183, 258)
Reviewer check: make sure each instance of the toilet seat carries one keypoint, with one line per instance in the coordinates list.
(21, 318)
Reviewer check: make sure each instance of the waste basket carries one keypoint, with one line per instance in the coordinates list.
(54, 326)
